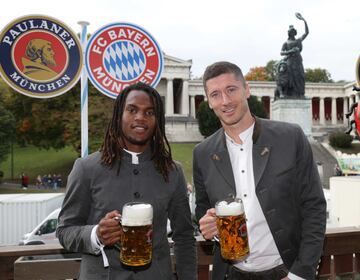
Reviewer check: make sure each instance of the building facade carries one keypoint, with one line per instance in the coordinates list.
(183, 95)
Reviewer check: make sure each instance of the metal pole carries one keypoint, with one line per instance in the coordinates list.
(84, 94)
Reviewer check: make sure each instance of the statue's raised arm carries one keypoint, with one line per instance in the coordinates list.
(299, 16)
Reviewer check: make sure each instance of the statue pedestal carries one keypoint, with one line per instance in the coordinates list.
(293, 111)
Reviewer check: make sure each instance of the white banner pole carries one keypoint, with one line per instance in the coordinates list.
(84, 94)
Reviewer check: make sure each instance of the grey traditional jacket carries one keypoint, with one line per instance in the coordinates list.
(94, 190)
(287, 186)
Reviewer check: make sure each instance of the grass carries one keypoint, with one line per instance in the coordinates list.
(34, 161)
(183, 153)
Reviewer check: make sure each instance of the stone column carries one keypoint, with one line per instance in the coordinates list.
(192, 106)
(345, 109)
(357, 97)
(333, 111)
(185, 99)
(169, 98)
(322, 110)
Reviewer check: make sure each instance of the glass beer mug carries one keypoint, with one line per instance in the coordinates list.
(231, 225)
(136, 240)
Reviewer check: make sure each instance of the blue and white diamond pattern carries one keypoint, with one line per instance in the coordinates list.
(124, 60)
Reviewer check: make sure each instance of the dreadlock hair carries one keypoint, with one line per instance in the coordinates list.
(113, 144)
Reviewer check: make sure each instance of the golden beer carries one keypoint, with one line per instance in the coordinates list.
(136, 245)
(136, 240)
(231, 225)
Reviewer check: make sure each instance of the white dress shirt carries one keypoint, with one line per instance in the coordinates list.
(263, 254)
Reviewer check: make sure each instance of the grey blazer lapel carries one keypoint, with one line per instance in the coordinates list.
(261, 151)
(221, 159)
(260, 158)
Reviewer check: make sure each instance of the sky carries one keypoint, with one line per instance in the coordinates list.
(248, 33)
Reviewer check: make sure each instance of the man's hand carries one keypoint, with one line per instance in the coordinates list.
(109, 230)
(208, 224)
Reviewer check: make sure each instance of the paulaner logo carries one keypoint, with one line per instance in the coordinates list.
(120, 54)
(40, 56)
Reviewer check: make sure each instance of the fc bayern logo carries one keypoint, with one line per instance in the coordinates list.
(121, 54)
(40, 56)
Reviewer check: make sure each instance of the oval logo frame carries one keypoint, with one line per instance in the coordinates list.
(41, 56)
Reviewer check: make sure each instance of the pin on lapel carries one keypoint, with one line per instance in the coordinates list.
(215, 157)
(264, 151)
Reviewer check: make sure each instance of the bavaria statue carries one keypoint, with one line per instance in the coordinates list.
(290, 75)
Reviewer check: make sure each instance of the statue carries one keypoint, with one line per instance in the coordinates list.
(290, 78)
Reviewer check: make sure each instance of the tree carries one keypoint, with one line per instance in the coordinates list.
(270, 69)
(256, 107)
(256, 74)
(209, 122)
(55, 122)
(7, 128)
(317, 75)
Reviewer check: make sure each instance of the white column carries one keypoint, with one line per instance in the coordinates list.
(322, 111)
(345, 109)
(192, 106)
(169, 98)
(357, 98)
(333, 111)
(185, 99)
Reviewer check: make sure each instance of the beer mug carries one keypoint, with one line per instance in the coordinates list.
(231, 225)
(136, 240)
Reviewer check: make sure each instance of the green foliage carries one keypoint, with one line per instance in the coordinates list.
(7, 128)
(256, 107)
(56, 122)
(340, 140)
(208, 121)
(270, 69)
(317, 75)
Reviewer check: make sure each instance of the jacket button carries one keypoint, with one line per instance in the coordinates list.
(136, 172)
(136, 194)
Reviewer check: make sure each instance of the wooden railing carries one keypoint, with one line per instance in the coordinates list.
(341, 256)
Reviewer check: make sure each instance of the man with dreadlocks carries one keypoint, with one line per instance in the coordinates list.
(133, 164)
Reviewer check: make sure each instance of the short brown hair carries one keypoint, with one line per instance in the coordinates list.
(222, 67)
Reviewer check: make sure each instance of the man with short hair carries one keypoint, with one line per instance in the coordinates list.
(134, 164)
(268, 165)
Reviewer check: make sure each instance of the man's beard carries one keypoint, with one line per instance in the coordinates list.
(48, 61)
(135, 141)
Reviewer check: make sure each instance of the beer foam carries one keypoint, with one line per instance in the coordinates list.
(232, 209)
(137, 215)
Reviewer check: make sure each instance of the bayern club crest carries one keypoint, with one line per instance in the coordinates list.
(121, 54)
(40, 56)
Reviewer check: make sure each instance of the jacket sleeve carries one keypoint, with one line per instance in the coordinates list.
(183, 231)
(312, 209)
(73, 232)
